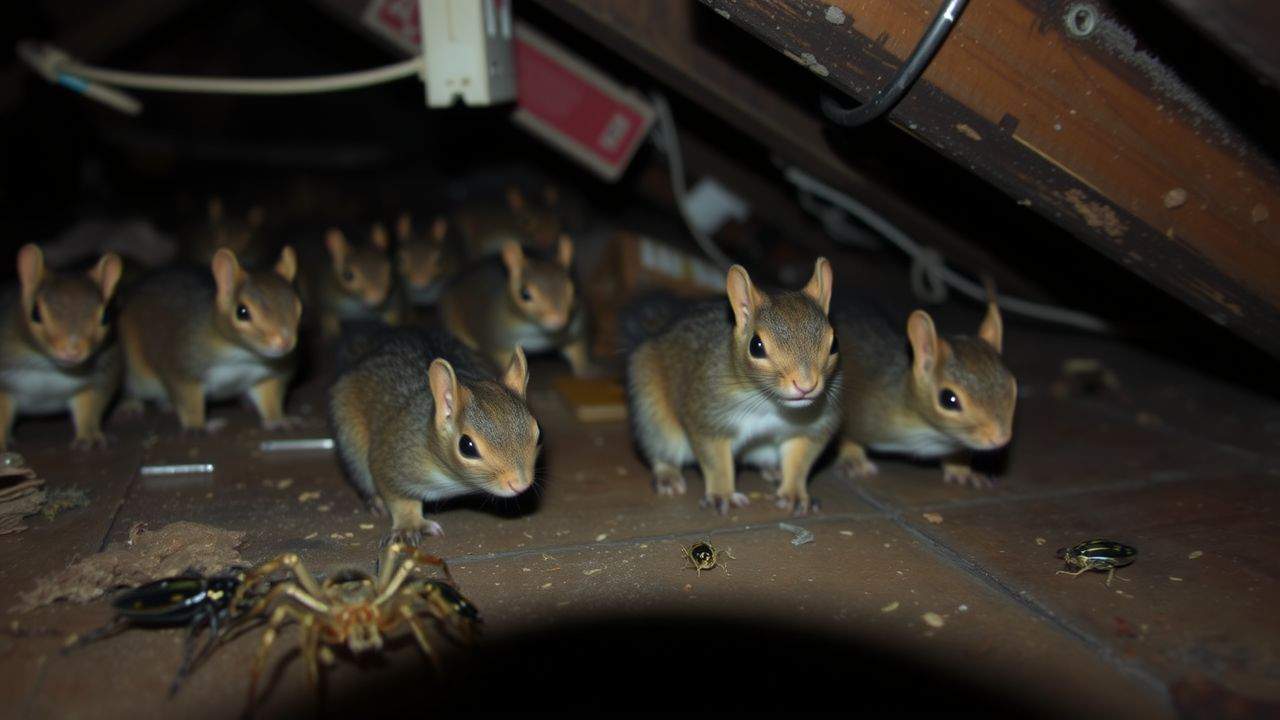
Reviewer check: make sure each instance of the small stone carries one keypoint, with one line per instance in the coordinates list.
(1175, 198)
(602, 537)
(835, 15)
(933, 620)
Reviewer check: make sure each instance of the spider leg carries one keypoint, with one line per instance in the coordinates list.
(1072, 574)
(387, 564)
(420, 635)
(288, 561)
(291, 591)
(310, 644)
(427, 559)
(278, 618)
(189, 654)
(401, 574)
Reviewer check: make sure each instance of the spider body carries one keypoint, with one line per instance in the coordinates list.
(353, 609)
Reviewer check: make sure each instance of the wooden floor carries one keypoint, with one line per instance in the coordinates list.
(913, 593)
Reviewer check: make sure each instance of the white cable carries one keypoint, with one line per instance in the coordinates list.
(669, 142)
(929, 273)
(56, 66)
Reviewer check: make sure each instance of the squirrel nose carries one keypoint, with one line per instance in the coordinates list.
(803, 390)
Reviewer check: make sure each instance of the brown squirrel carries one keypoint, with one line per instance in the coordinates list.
(57, 351)
(189, 335)
(243, 236)
(948, 396)
(352, 281)
(484, 227)
(761, 383)
(424, 260)
(519, 299)
(417, 417)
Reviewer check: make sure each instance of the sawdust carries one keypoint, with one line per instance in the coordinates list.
(1096, 214)
(147, 555)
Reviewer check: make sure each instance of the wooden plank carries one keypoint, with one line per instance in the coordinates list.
(1094, 134)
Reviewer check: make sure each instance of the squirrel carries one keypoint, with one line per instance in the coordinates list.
(484, 227)
(925, 396)
(418, 417)
(243, 236)
(352, 281)
(188, 335)
(760, 382)
(57, 350)
(519, 299)
(424, 261)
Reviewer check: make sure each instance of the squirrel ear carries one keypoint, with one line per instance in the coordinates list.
(336, 241)
(924, 343)
(256, 217)
(439, 228)
(30, 269)
(226, 274)
(106, 274)
(743, 296)
(378, 235)
(819, 287)
(404, 226)
(516, 378)
(513, 258)
(444, 392)
(515, 198)
(992, 327)
(287, 265)
(564, 251)
(215, 209)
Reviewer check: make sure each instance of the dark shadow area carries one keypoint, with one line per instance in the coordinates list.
(675, 664)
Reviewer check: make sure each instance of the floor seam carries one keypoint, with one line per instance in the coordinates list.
(950, 556)
(624, 542)
(128, 491)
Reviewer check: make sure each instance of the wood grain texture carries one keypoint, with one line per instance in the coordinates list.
(1099, 137)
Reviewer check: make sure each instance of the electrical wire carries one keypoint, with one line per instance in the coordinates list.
(669, 142)
(930, 276)
(911, 70)
(102, 84)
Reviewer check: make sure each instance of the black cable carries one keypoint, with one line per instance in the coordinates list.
(911, 70)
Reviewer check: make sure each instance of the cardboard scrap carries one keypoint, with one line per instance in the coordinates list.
(147, 555)
(21, 494)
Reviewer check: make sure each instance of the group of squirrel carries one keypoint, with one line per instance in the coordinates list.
(423, 414)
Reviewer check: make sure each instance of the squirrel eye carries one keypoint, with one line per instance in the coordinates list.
(948, 400)
(242, 313)
(348, 276)
(757, 347)
(835, 344)
(467, 447)
(525, 295)
(35, 314)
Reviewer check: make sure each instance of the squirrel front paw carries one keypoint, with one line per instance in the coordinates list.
(668, 481)
(414, 536)
(855, 468)
(964, 475)
(722, 503)
(284, 422)
(800, 504)
(89, 440)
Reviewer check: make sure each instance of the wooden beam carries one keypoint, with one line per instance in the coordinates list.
(1096, 135)
(662, 39)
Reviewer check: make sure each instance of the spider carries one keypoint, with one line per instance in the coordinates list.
(350, 608)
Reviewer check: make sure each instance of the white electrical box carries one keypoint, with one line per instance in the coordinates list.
(467, 48)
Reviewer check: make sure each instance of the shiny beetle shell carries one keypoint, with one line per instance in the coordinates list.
(454, 599)
(176, 600)
(703, 555)
(1098, 554)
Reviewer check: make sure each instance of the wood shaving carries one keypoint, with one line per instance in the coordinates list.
(933, 517)
(1041, 541)
(21, 494)
(890, 607)
(592, 571)
(1195, 554)
(933, 620)
(147, 555)
(308, 496)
